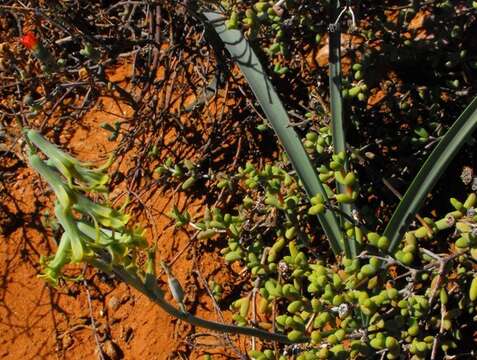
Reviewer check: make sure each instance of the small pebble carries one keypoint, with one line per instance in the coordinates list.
(113, 303)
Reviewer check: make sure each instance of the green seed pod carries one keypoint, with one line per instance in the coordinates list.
(316, 209)
(369, 307)
(463, 227)
(290, 233)
(244, 307)
(177, 172)
(409, 248)
(290, 291)
(256, 355)
(337, 300)
(269, 354)
(373, 283)
(276, 248)
(473, 290)
(337, 282)
(274, 49)
(161, 170)
(462, 242)
(443, 224)
(335, 165)
(315, 337)
(349, 179)
(339, 177)
(421, 347)
(325, 177)
(312, 136)
(368, 270)
(231, 24)
(217, 224)
(456, 203)
(295, 306)
(281, 319)
(421, 232)
(233, 256)
(354, 91)
(413, 330)
(358, 234)
(261, 6)
(293, 249)
(378, 343)
(295, 335)
(223, 183)
(344, 198)
(373, 238)
(350, 232)
(332, 339)
(391, 342)
(383, 243)
(443, 296)
(323, 353)
(206, 234)
(309, 144)
(321, 319)
(340, 334)
(316, 305)
(392, 293)
(317, 199)
(407, 258)
(470, 201)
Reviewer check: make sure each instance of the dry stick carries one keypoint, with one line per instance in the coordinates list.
(93, 325)
(254, 292)
(220, 315)
(135, 281)
(155, 22)
(441, 330)
(59, 344)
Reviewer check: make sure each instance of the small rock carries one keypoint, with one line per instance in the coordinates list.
(67, 341)
(111, 350)
(113, 303)
(127, 334)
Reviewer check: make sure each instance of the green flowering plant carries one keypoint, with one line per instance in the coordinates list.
(90, 228)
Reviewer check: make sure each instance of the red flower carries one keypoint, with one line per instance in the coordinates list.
(29, 40)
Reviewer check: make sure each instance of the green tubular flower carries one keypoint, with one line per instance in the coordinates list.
(62, 257)
(62, 161)
(51, 176)
(104, 215)
(108, 237)
(69, 167)
(68, 222)
(99, 236)
(101, 239)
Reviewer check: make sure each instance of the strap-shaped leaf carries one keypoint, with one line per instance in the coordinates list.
(337, 113)
(243, 54)
(430, 172)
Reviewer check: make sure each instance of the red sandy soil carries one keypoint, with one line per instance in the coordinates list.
(39, 322)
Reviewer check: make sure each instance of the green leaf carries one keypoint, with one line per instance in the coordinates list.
(337, 119)
(243, 54)
(430, 172)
